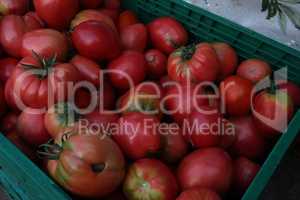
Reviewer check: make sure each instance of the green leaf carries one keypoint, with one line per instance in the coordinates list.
(282, 22)
(292, 14)
(290, 1)
(264, 5)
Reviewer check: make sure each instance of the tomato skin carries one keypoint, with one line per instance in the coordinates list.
(127, 18)
(17, 7)
(57, 14)
(7, 65)
(198, 193)
(293, 90)
(202, 65)
(210, 168)
(127, 63)
(112, 4)
(30, 127)
(90, 4)
(156, 63)
(254, 70)
(236, 95)
(153, 173)
(135, 147)
(228, 59)
(134, 37)
(276, 107)
(112, 13)
(8, 122)
(93, 38)
(2, 100)
(167, 34)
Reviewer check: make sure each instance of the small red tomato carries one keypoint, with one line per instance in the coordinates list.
(124, 71)
(112, 4)
(243, 174)
(90, 4)
(7, 66)
(198, 193)
(156, 63)
(8, 122)
(127, 18)
(272, 112)
(150, 179)
(57, 14)
(236, 95)
(31, 128)
(138, 135)
(228, 59)
(194, 63)
(293, 90)
(254, 70)
(167, 34)
(208, 168)
(134, 37)
(17, 7)
(96, 40)
(248, 140)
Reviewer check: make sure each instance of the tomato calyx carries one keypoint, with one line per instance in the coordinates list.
(49, 151)
(66, 114)
(188, 52)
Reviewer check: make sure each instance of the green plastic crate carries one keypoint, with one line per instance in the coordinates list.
(23, 180)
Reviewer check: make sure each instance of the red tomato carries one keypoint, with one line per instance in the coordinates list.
(12, 29)
(209, 168)
(30, 127)
(107, 97)
(45, 42)
(90, 4)
(248, 140)
(7, 66)
(2, 100)
(8, 122)
(93, 168)
(96, 40)
(17, 7)
(112, 4)
(254, 70)
(57, 14)
(194, 63)
(156, 63)
(134, 37)
(83, 98)
(125, 67)
(227, 57)
(127, 18)
(244, 173)
(293, 90)
(150, 179)
(272, 112)
(112, 13)
(198, 193)
(132, 140)
(95, 15)
(167, 34)
(236, 95)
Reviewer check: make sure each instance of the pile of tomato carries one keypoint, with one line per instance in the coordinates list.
(150, 83)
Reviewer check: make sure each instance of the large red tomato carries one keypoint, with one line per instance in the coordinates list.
(236, 95)
(127, 18)
(87, 165)
(293, 90)
(96, 40)
(150, 179)
(12, 29)
(8, 122)
(130, 65)
(209, 168)
(156, 63)
(134, 37)
(90, 4)
(30, 127)
(167, 34)
(133, 132)
(198, 193)
(194, 63)
(7, 66)
(17, 7)
(57, 14)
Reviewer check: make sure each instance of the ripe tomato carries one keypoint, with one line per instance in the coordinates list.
(134, 37)
(156, 63)
(112, 13)
(228, 59)
(17, 7)
(254, 70)
(12, 29)
(293, 90)
(8, 122)
(7, 66)
(125, 67)
(272, 112)
(92, 168)
(198, 193)
(167, 34)
(57, 14)
(96, 40)
(45, 42)
(132, 140)
(112, 4)
(90, 4)
(30, 127)
(95, 15)
(248, 140)
(150, 179)
(236, 95)
(208, 168)
(194, 63)
(127, 18)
